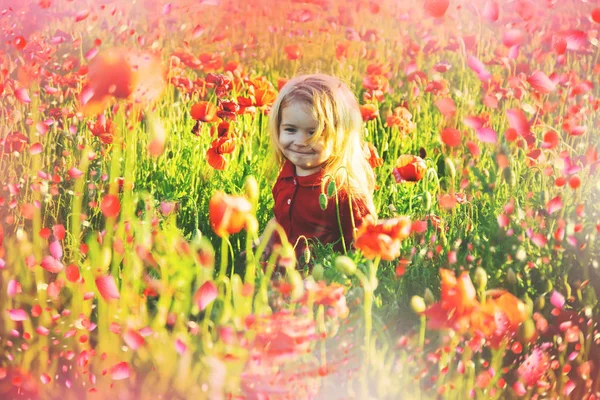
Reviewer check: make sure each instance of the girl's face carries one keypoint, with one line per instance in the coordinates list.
(296, 128)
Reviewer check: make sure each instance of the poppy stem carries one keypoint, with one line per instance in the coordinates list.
(223, 265)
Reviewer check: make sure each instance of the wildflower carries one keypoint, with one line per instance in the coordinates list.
(409, 168)
(103, 129)
(373, 156)
(204, 111)
(369, 112)
(293, 52)
(382, 239)
(228, 214)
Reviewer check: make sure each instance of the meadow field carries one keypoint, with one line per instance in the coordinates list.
(136, 175)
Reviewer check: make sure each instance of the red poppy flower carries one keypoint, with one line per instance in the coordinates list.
(436, 8)
(228, 214)
(409, 168)
(110, 205)
(373, 156)
(14, 141)
(204, 111)
(103, 129)
(452, 137)
(382, 239)
(215, 160)
(293, 52)
(369, 112)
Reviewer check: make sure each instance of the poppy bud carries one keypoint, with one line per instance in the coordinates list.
(297, 284)
(346, 265)
(527, 331)
(428, 297)
(323, 201)
(480, 279)
(451, 169)
(418, 304)
(331, 189)
(317, 272)
(306, 255)
(540, 303)
(428, 200)
(511, 277)
(251, 188)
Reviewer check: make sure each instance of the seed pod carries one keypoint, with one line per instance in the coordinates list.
(345, 265)
(306, 255)
(318, 272)
(480, 279)
(418, 304)
(331, 189)
(428, 297)
(529, 305)
(323, 201)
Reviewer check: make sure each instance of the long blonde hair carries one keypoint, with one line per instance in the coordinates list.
(340, 124)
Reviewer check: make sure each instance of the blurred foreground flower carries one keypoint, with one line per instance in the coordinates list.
(382, 239)
(228, 214)
(459, 309)
(121, 74)
(280, 365)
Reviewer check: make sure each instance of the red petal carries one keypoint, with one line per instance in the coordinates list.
(476, 65)
(51, 264)
(81, 15)
(487, 135)
(490, 11)
(107, 287)
(436, 8)
(446, 106)
(22, 95)
(513, 37)
(554, 205)
(518, 121)
(540, 82)
(120, 371)
(205, 295)
(18, 315)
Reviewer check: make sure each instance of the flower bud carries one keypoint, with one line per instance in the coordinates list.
(511, 277)
(306, 255)
(450, 168)
(251, 188)
(428, 297)
(317, 272)
(527, 331)
(346, 265)
(331, 188)
(418, 304)
(540, 303)
(480, 279)
(323, 201)
(297, 284)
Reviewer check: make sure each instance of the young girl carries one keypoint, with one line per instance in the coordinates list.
(317, 130)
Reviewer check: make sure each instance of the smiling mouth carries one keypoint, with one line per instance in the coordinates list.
(303, 153)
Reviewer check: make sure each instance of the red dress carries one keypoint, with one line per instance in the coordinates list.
(298, 211)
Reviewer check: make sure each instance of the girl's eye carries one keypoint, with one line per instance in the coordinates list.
(310, 133)
(290, 130)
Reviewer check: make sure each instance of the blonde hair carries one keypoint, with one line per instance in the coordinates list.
(340, 124)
